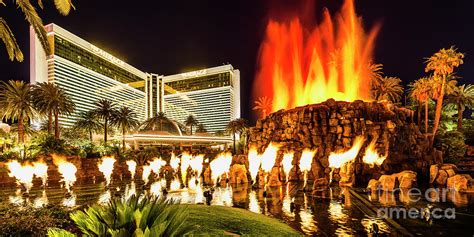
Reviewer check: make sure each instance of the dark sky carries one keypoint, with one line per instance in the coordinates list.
(168, 37)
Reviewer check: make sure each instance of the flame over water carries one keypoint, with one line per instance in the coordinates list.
(371, 156)
(185, 162)
(174, 162)
(67, 170)
(338, 159)
(254, 206)
(132, 167)
(196, 164)
(220, 165)
(146, 173)
(175, 184)
(106, 166)
(302, 65)
(41, 171)
(287, 163)
(268, 159)
(254, 163)
(156, 165)
(22, 173)
(305, 163)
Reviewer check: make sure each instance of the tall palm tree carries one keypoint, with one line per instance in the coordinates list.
(17, 104)
(376, 74)
(190, 122)
(462, 97)
(153, 122)
(264, 105)
(126, 120)
(104, 110)
(236, 126)
(420, 91)
(88, 122)
(65, 107)
(442, 64)
(201, 128)
(389, 89)
(29, 11)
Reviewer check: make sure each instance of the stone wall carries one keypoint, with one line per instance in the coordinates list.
(332, 126)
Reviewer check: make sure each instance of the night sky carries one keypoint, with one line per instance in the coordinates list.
(177, 36)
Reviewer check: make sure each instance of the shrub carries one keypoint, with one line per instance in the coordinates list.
(148, 216)
(452, 144)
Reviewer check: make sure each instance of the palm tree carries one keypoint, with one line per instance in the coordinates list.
(190, 122)
(462, 97)
(126, 120)
(420, 91)
(236, 126)
(104, 110)
(17, 104)
(88, 122)
(264, 105)
(442, 64)
(376, 74)
(388, 88)
(158, 119)
(201, 128)
(8, 38)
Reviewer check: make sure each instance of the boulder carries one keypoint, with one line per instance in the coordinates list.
(320, 184)
(274, 178)
(447, 166)
(459, 183)
(442, 177)
(238, 174)
(433, 172)
(374, 185)
(388, 182)
(406, 179)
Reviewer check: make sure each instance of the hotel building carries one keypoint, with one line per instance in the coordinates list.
(86, 72)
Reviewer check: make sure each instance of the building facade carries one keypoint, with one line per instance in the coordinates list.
(86, 72)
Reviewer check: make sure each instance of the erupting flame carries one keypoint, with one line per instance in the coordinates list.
(156, 188)
(287, 163)
(196, 164)
(254, 163)
(371, 156)
(22, 173)
(174, 162)
(268, 159)
(253, 203)
(41, 170)
(305, 163)
(67, 170)
(156, 165)
(107, 167)
(146, 173)
(132, 167)
(185, 162)
(220, 165)
(175, 184)
(338, 159)
(302, 65)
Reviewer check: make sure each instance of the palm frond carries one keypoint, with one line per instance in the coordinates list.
(64, 6)
(35, 21)
(13, 50)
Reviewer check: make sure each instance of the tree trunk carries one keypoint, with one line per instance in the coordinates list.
(56, 125)
(105, 131)
(439, 106)
(90, 135)
(233, 136)
(426, 115)
(123, 139)
(420, 106)
(460, 112)
(50, 122)
(21, 130)
(191, 130)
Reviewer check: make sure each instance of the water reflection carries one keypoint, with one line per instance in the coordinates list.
(253, 203)
(222, 196)
(70, 201)
(104, 198)
(41, 201)
(308, 224)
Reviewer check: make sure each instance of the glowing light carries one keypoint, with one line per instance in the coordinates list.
(22, 173)
(253, 203)
(222, 197)
(146, 173)
(371, 156)
(107, 167)
(185, 161)
(197, 164)
(220, 165)
(175, 185)
(268, 159)
(130, 190)
(287, 163)
(132, 167)
(41, 171)
(337, 159)
(156, 165)
(305, 163)
(42, 201)
(67, 170)
(104, 198)
(174, 162)
(156, 189)
(70, 201)
(301, 65)
(254, 163)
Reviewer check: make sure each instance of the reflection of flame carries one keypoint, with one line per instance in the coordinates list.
(286, 208)
(268, 159)
(41, 170)
(196, 164)
(305, 163)
(287, 163)
(371, 156)
(175, 184)
(41, 201)
(199, 194)
(70, 201)
(254, 163)
(67, 170)
(174, 162)
(253, 203)
(17, 199)
(156, 165)
(220, 165)
(130, 190)
(308, 225)
(146, 173)
(337, 159)
(185, 162)
(300, 65)
(107, 167)
(22, 173)
(222, 197)
(104, 198)
(156, 188)
(132, 167)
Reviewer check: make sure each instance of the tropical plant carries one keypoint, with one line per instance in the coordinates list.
(220, 133)
(126, 120)
(17, 104)
(462, 97)
(376, 74)
(264, 105)
(452, 144)
(147, 216)
(442, 64)
(420, 91)
(7, 36)
(389, 89)
(104, 110)
(190, 122)
(236, 126)
(201, 128)
(155, 121)
(88, 122)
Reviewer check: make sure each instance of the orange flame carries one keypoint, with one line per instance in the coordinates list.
(132, 167)
(220, 165)
(301, 65)
(106, 166)
(372, 157)
(338, 159)
(67, 170)
(255, 161)
(287, 163)
(22, 173)
(305, 163)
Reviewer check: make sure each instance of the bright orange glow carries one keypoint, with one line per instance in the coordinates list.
(305, 163)
(22, 173)
(372, 157)
(269, 157)
(106, 166)
(156, 165)
(287, 163)
(301, 64)
(67, 170)
(220, 165)
(146, 173)
(338, 159)
(196, 165)
(174, 162)
(185, 163)
(132, 167)
(254, 163)
(41, 171)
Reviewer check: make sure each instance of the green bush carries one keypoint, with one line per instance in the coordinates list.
(452, 144)
(146, 216)
(468, 131)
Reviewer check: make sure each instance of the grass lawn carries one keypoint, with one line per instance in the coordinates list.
(217, 220)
